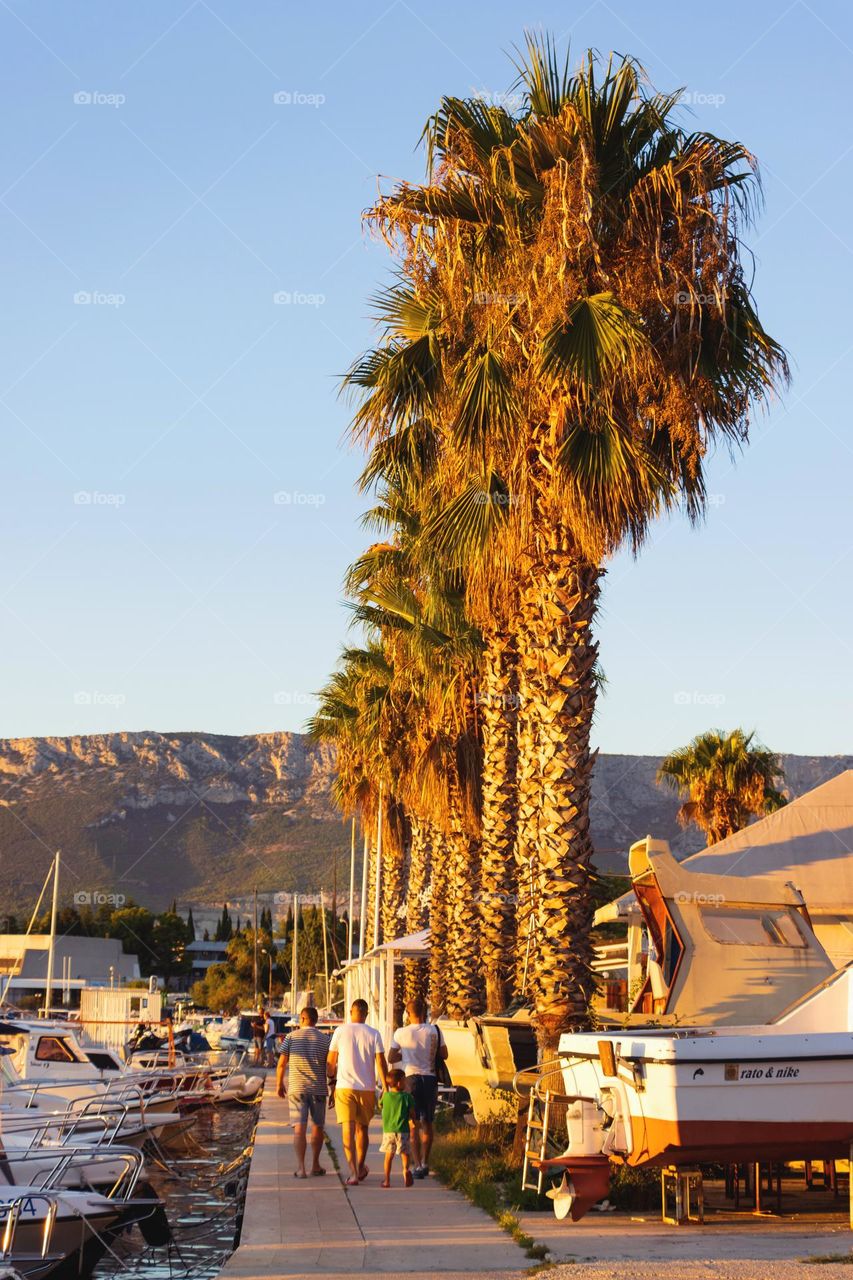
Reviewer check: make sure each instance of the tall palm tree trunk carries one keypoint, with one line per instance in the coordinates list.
(498, 703)
(393, 871)
(464, 981)
(438, 929)
(557, 688)
(370, 913)
(417, 902)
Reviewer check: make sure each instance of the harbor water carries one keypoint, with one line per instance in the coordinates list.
(203, 1187)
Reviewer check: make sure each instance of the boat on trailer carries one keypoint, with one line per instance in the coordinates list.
(677, 1095)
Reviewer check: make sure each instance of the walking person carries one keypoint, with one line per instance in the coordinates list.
(419, 1045)
(356, 1061)
(397, 1111)
(302, 1065)
(258, 1027)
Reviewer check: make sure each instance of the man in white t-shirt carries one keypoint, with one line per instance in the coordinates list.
(356, 1060)
(418, 1046)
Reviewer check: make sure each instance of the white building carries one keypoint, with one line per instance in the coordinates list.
(78, 962)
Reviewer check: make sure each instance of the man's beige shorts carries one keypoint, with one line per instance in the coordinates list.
(355, 1106)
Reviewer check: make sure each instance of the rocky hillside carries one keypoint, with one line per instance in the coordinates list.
(201, 817)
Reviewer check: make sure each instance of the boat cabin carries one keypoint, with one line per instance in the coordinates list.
(52, 1050)
(717, 950)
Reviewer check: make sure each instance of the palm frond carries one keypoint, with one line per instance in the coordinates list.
(598, 336)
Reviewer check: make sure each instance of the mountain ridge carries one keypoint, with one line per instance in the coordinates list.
(203, 817)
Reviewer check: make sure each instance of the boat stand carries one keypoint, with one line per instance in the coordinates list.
(681, 1189)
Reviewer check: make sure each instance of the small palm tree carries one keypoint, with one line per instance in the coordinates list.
(725, 779)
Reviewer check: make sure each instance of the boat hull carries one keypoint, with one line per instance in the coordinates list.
(691, 1099)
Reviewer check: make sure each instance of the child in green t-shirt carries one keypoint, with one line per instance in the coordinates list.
(397, 1109)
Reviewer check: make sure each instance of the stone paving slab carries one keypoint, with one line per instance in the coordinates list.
(317, 1227)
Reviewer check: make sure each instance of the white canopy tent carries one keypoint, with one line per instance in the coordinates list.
(371, 978)
(807, 843)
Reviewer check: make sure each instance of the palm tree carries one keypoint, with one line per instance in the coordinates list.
(419, 617)
(725, 779)
(573, 323)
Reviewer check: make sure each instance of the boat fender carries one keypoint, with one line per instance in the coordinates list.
(251, 1087)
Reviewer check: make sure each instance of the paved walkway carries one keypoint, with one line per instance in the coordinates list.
(317, 1227)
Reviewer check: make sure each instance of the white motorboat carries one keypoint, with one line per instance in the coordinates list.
(682, 1095)
(54, 1233)
(52, 1054)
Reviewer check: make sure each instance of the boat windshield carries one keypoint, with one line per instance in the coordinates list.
(752, 927)
(668, 947)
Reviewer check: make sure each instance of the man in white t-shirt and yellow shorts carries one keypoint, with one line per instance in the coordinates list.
(356, 1060)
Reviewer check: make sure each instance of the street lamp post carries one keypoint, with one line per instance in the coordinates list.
(265, 952)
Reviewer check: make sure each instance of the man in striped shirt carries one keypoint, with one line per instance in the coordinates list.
(303, 1064)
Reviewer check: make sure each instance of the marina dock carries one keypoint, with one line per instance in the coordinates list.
(318, 1227)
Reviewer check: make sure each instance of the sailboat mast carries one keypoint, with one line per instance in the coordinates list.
(294, 960)
(362, 915)
(51, 951)
(351, 893)
(378, 895)
(325, 944)
(255, 942)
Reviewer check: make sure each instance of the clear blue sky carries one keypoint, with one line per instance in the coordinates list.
(180, 197)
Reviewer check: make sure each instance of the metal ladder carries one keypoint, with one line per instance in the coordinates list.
(538, 1117)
